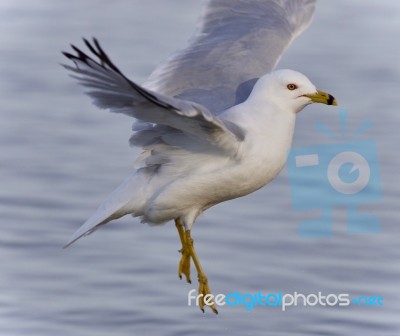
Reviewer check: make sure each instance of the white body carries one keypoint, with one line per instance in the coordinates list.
(192, 158)
(259, 159)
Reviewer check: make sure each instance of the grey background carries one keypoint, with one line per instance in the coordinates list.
(59, 156)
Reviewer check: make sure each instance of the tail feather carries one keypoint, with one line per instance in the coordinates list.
(91, 225)
(119, 203)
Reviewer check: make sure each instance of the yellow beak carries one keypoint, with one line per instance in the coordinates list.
(322, 97)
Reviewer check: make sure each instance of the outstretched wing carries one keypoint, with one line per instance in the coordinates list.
(110, 89)
(236, 42)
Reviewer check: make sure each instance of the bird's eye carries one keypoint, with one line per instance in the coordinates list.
(292, 87)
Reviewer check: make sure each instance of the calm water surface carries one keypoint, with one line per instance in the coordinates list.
(60, 156)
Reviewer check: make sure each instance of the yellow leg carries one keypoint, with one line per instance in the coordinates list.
(184, 263)
(188, 251)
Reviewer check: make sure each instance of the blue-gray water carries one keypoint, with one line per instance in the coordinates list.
(60, 156)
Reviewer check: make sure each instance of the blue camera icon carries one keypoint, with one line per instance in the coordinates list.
(330, 175)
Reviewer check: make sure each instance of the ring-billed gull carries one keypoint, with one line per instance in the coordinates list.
(213, 121)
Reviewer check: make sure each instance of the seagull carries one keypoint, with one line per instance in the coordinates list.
(215, 121)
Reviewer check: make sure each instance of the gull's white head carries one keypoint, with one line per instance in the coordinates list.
(290, 90)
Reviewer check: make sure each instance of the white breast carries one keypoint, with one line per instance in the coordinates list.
(261, 157)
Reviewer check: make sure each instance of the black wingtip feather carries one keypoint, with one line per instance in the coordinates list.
(90, 47)
(105, 62)
(81, 55)
(104, 57)
(68, 55)
(96, 49)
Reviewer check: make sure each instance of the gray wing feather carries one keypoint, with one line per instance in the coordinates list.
(237, 41)
(110, 89)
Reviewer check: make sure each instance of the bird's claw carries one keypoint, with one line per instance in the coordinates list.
(204, 290)
(184, 265)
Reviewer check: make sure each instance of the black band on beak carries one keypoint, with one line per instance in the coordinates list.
(330, 100)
